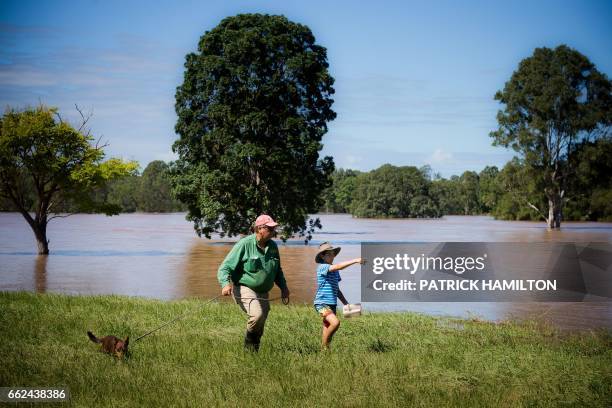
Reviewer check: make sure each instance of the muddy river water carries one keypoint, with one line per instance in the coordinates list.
(159, 256)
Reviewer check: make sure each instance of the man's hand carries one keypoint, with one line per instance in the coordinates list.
(285, 293)
(227, 290)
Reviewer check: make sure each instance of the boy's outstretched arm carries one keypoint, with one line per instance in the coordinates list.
(346, 264)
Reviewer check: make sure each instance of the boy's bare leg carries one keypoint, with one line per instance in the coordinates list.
(324, 335)
(329, 329)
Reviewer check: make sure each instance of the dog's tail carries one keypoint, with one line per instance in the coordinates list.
(93, 338)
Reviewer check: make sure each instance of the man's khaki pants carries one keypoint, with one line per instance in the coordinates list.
(256, 309)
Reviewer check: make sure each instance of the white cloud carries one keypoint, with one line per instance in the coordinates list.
(439, 156)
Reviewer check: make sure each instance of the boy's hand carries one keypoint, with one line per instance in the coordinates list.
(361, 261)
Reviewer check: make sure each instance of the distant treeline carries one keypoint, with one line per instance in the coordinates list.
(512, 193)
(149, 191)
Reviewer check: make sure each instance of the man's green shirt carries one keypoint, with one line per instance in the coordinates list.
(248, 265)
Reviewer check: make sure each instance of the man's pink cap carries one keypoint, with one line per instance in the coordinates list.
(264, 219)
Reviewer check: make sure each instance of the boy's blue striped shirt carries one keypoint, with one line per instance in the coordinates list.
(327, 285)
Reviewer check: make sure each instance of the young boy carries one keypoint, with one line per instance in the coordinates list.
(328, 290)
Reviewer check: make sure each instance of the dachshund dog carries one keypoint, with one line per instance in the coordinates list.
(111, 344)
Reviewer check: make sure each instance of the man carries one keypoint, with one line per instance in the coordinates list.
(248, 272)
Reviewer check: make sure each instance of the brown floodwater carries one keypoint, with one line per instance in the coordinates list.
(159, 256)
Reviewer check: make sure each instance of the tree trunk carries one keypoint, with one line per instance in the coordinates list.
(40, 231)
(39, 227)
(550, 220)
(554, 212)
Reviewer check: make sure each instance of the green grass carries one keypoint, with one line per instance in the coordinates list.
(379, 359)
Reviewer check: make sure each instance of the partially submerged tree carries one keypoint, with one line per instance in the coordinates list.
(252, 110)
(394, 192)
(553, 101)
(520, 192)
(591, 183)
(41, 153)
(339, 195)
(488, 188)
(469, 192)
(155, 190)
(125, 193)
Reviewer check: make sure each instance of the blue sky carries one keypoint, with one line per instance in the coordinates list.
(414, 80)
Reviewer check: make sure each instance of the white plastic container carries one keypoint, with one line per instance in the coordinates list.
(351, 310)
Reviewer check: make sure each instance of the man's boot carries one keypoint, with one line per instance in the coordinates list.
(251, 341)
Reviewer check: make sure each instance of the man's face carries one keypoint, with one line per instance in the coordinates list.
(266, 233)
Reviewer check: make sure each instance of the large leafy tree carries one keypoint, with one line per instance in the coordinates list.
(46, 165)
(252, 110)
(554, 100)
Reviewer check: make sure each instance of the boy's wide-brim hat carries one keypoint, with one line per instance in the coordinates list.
(324, 247)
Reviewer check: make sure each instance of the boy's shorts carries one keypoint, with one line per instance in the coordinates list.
(325, 310)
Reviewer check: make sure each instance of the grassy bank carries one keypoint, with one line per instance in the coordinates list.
(382, 359)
